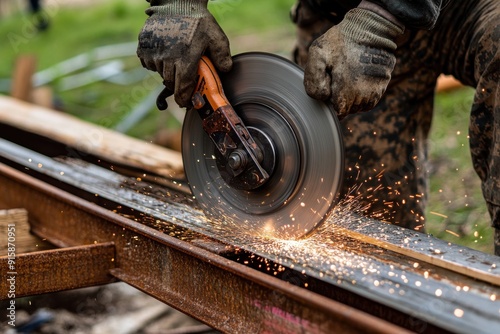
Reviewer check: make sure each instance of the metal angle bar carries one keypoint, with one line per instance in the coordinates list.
(56, 270)
(423, 247)
(226, 295)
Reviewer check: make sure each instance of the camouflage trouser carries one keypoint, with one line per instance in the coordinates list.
(386, 148)
(497, 241)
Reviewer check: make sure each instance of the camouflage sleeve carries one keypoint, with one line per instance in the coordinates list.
(414, 14)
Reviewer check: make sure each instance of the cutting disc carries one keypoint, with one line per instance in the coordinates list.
(302, 144)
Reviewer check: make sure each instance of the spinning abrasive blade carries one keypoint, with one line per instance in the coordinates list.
(302, 144)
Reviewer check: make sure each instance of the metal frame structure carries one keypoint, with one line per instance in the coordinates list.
(99, 220)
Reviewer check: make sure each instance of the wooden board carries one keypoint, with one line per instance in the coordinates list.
(446, 83)
(90, 138)
(22, 79)
(16, 222)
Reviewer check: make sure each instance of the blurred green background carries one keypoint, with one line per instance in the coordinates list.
(456, 210)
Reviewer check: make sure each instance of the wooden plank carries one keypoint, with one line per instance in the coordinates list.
(16, 222)
(22, 78)
(446, 83)
(90, 138)
(43, 96)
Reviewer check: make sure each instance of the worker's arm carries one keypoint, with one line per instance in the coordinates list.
(351, 64)
(173, 40)
(414, 14)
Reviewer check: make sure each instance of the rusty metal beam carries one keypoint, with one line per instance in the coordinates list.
(371, 278)
(56, 270)
(226, 295)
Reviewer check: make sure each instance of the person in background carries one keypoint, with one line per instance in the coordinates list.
(377, 62)
(42, 22)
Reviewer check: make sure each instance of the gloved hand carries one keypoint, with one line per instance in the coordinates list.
(351, 64)
(173, 40)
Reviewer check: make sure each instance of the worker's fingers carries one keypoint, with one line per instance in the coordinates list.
(219, 53)
(221, 59)
(167, 73)
(185, 82)
(343, 89)
(143, 63)
(317, 80)
(338, 99)
(149, 64)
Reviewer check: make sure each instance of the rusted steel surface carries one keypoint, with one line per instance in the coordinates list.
(427, 294)
(356, 271)
(226, 295)
(425, 248)
(57, 270)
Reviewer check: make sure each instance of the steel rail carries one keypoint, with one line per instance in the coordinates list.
(386, 279)
(226, 295)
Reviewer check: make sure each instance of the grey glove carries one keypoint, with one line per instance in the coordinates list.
(351, 64)
(175, 37)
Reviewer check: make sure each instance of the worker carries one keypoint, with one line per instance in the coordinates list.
(42, 21)
(377, 62)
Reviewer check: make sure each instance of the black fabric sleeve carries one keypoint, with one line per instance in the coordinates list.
(414, 14)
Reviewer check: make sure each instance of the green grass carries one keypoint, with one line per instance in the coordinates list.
(72, 31)
(455, 190)
(78, 30)
(251, 16)
(455, 186)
